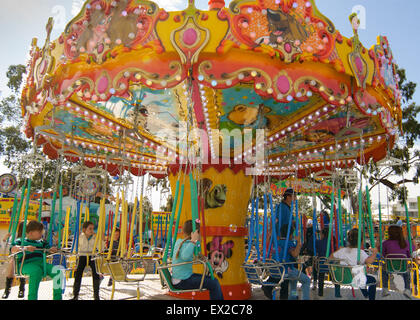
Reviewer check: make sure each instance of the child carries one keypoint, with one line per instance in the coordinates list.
(10, 270)
(33, 265)
(182, 276)
(293, 274)
(348, 256)
(396, 246)
(114, 252)
(86, 244)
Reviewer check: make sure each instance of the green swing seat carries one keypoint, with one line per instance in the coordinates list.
(394, 263)
(341, 274)
(166, 276)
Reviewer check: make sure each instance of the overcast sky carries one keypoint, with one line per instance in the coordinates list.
(22, 20)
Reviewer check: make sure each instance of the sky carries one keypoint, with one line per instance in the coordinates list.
(22, 20)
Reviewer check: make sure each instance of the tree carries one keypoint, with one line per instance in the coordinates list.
(14, 144)
(404, 149)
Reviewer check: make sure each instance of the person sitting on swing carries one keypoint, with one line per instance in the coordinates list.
(292, 273)
(183, 277)
(397, 247)
(33, 265)
(348, 256)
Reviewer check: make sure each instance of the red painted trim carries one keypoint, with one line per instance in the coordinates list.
(226, 231)
(232, 292)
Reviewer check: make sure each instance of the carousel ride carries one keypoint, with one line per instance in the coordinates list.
(216, 101)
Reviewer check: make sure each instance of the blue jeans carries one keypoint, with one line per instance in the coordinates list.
(303, 279)
(371, 291)
(194, 281)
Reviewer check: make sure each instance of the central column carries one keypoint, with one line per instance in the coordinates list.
(226, 196)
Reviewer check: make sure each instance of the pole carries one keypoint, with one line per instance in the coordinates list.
(330, 225)
(18, 214)
(171, 223)
(359, 234)
(371, 234)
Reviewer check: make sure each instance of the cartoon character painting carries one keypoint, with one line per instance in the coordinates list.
(103, 31)
(218, 254)
(214, 197)
(284, 26)
(327, 129)
(255, 117)
(285, 33)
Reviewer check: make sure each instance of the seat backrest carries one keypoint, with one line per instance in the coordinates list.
(322, 267)
(276, 271)
(117, 271)
(342, 274)
(253, 274)
(396, 265)
(167, 278)
(101, 266)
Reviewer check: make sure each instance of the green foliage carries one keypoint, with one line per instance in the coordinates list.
(13, 144)
(404, 149)
(15, 75)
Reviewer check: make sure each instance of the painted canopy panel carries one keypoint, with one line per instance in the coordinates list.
(125, 76)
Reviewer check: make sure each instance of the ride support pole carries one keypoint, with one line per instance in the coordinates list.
(359, 234)
(330, 226)
(15, 225)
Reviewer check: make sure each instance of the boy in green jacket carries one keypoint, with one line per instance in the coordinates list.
(33, 264)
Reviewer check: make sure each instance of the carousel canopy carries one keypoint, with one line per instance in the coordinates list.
(130, 86)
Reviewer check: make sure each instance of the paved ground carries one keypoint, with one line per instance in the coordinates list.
(150, 289)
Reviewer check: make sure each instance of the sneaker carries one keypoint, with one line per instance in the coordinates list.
(385, 292)
(407, 293)
(21, 294)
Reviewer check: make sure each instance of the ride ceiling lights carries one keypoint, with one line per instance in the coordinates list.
(127, 81)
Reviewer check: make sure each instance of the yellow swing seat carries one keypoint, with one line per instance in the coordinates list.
(120, 274)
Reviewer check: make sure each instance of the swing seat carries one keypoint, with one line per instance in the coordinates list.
(258, 273)
(166, 276)
(275, 270)
(342, 274)
(321, 265)
(18, 265)
(394, 263)
(100, 264)
(254, 274)
(119, 274)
